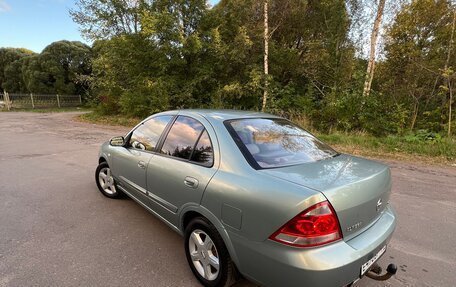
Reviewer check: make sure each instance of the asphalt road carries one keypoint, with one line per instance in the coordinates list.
(56, 229)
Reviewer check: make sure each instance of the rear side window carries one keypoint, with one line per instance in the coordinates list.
(146, 136)
(203, 152)
(187, 139)
(277, 142)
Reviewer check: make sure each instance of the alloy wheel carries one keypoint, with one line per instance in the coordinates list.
(107, 181)
(204, 254)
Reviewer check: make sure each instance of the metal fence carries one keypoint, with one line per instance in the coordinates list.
(23, 101)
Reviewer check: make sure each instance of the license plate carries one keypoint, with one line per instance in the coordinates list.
(369, 263)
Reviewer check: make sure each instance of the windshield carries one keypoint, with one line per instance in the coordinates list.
(278, 142)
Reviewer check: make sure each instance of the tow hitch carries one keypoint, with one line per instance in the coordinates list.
(375, 272)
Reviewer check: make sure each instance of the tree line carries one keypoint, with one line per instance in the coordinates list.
(304, 59)
(61, 68)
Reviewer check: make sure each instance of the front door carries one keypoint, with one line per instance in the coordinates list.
(130, 163)
(130, 168)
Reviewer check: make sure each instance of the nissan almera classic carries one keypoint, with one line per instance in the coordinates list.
(254, 194)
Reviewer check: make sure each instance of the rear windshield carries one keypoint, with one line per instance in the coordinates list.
(277, 142)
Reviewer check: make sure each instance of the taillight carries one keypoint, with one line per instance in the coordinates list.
(315, 226)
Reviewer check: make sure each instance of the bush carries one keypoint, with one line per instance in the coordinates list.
(144, 99)
(423, 136)
(350, 111)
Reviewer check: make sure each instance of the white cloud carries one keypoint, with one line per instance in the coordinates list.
(4, 6)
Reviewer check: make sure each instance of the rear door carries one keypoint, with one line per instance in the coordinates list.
(130, 162)
(182, 168)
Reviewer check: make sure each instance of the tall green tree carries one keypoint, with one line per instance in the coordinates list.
(7, 57)
(103, 19)
(151, 55)
(56, 70)
(415, 54)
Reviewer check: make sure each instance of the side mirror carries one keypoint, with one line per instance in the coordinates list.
(117, 141)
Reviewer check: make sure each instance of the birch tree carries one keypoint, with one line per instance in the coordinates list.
(373, 46)
(266, 55)
(448, 73)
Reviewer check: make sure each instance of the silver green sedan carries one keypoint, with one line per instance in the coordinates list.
(255, 195)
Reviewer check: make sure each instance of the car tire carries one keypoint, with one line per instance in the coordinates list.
(204, 247)
(105, 181)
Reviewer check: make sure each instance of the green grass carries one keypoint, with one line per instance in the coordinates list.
(442, 150)
(109, 120)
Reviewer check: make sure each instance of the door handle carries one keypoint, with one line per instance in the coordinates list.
(141, 164)
(191, 182)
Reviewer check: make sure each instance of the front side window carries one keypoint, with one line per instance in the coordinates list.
(146, 136)
(278, 142)
(188, 139)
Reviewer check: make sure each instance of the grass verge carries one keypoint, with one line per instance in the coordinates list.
(108, 120)
(442, 151)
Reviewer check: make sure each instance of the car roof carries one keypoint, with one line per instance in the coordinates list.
(223, 115)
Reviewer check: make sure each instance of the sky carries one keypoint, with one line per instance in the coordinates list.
(34, 24)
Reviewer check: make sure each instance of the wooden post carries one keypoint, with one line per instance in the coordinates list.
(80, 100)
(4, 98)
(58, 100)
(7, 100)
(31, 97)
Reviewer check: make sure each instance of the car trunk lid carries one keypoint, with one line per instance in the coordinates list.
(358, 189)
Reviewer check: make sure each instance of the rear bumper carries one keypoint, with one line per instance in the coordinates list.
(272, 264)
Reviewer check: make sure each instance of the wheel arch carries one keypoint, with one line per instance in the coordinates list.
(189, 216)
(190, 212)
